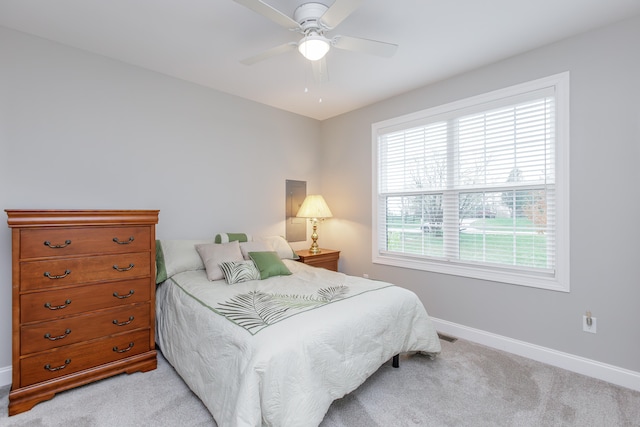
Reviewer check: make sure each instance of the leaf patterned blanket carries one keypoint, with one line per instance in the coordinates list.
(255, 305)
(278, 351)
(257, 309)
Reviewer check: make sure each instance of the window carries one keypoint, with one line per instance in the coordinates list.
(478, 187)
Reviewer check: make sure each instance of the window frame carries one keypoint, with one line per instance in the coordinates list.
(559, 279)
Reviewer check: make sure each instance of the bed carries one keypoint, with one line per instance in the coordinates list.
(277, 350)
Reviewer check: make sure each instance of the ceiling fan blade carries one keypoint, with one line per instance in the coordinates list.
(283, 48)
(364, 45)
(338, 11)
(269, 12)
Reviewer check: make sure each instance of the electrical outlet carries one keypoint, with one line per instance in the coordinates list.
(589, 328)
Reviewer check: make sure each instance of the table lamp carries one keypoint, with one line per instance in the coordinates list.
(315, 208)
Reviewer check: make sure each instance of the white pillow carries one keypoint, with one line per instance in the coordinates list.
(246, 247)
(281, 246)
(213, 254)
(176, 256)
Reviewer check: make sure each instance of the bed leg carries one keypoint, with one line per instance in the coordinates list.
(396, 361)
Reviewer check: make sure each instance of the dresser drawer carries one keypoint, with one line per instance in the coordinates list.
(62, 242)
(70, 330)
(76, 357)
(72, 271)
(50, 305)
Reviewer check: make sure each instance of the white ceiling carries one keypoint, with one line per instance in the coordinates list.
(202, 41)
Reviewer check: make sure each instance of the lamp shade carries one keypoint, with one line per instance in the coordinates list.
(314, 206)
(313, 47)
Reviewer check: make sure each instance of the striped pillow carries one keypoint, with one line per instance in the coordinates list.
(239, 271)
(231, 237)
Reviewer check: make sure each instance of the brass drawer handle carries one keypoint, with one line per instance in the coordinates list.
(59, 337)
(53, 277)
(123, 242)
(115, 322)
(115, 267)
(57, 307)
(60, 246)
(115, 294)
(57, 368)
(124, 349)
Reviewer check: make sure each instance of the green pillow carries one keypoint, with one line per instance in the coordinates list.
(161, 268)
(269, 264)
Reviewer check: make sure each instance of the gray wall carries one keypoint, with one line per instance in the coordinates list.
(605, 202)
(81, 131)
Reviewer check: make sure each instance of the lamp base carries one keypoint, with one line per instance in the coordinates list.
(314, 249)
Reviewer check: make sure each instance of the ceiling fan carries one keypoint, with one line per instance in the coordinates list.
(313, 20)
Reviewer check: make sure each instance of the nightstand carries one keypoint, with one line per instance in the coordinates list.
(327, 258)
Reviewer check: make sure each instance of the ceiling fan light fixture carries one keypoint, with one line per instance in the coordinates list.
(314, 47)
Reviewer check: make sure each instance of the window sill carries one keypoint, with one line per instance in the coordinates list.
(548, 282)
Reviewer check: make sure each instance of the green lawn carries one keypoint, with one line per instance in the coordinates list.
(486, 240)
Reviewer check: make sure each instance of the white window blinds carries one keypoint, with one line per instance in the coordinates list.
(472, 187)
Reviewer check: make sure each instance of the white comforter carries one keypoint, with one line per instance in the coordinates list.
(285, 372)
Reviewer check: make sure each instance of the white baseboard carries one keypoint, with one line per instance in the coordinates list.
(602, 371)
(5, 376)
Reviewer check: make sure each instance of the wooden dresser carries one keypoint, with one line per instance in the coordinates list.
(83, 299)
(327, 258)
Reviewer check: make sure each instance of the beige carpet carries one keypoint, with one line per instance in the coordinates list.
(467, 385)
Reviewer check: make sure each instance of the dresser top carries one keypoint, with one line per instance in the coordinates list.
(60, 218)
